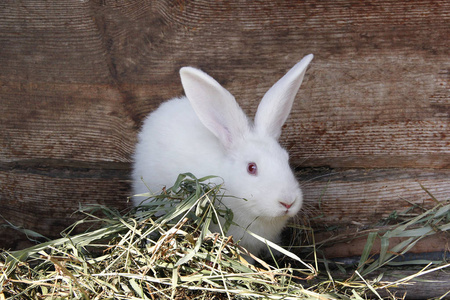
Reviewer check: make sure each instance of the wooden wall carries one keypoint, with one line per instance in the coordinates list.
(370, 124)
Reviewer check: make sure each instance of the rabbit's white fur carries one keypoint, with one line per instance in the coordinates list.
(207, 133)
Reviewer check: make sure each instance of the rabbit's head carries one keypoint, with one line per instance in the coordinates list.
(254, 166)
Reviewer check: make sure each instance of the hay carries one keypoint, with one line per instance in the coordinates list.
(175, 256)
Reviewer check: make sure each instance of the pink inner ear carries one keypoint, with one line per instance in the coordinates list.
(221, 131)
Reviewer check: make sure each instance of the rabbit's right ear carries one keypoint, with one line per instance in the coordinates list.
(215, 106)
(275, 106)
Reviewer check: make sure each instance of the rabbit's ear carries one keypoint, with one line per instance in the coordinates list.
(276, 104)
(215, 106)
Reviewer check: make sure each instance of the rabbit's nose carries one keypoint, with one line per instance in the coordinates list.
(286, 205)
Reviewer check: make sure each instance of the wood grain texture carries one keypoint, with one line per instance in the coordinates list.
(366, 196)
(428, 286)
(77, 79)
(43, 195)
(351, 242)
(433, 285)
(375, 96)
(64, 122)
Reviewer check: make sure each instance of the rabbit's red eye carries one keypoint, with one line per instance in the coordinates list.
(252, 169)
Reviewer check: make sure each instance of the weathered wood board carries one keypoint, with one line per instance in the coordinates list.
(77, 79)
(428, 286)
(362, 197)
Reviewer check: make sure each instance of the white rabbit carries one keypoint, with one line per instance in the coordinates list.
(207, 133)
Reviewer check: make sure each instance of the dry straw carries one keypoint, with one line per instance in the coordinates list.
(146, 255)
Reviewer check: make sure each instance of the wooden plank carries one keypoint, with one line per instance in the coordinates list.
(350, 242)
(433, 285)
(375, 96)
(43, 196)
(363, 197)
(376, 122)
(51, 42)
(428, 286)
(64, 122)
(372, 98)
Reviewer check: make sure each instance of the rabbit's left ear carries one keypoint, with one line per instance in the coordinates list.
(276, 104)
(215, 106)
